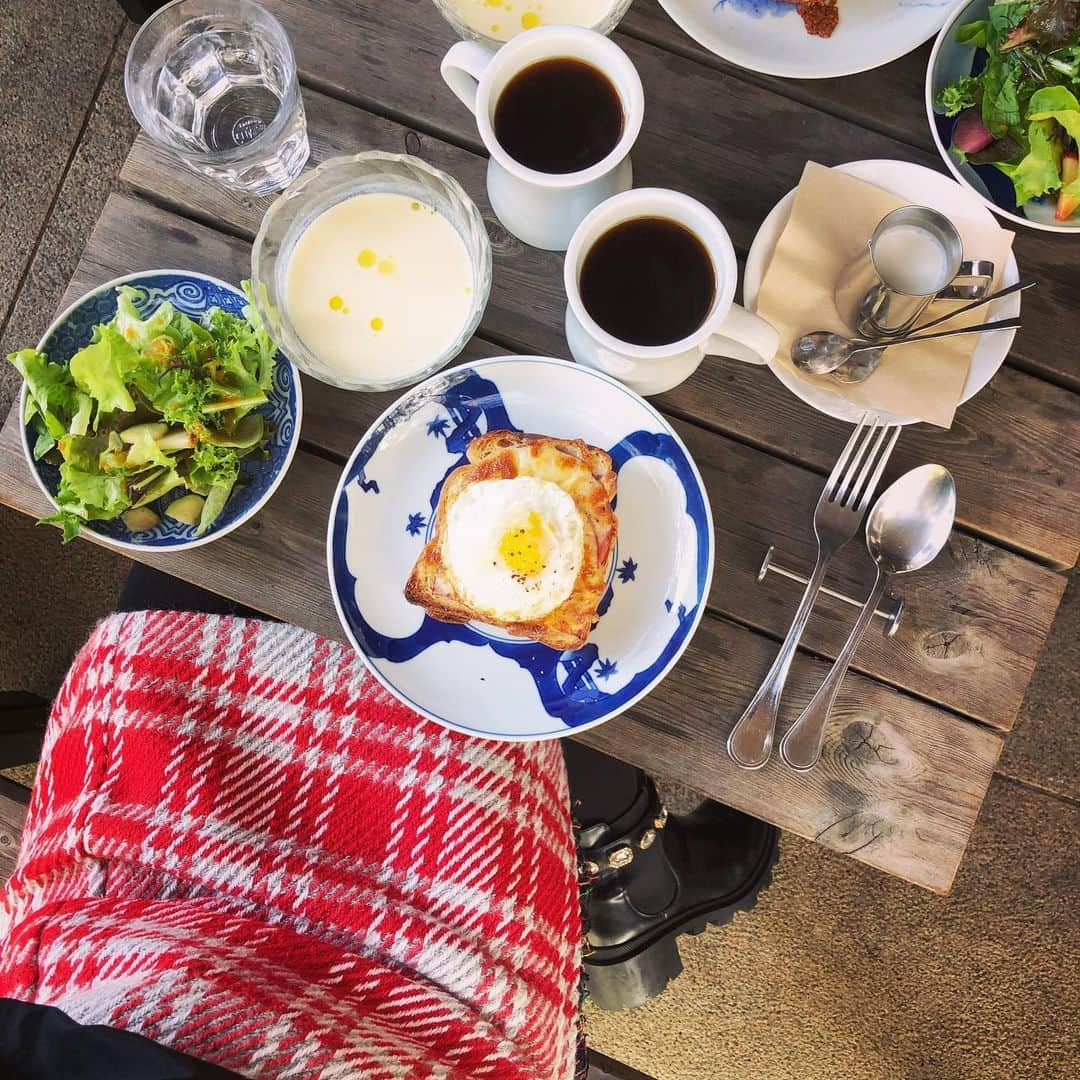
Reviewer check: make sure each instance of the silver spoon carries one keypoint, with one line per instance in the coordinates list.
(1020, 286)
(824, 352)
(809, 359)
(907, 527)
(864, 363)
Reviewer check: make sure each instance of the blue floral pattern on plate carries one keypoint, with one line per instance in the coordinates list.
(193, 294)
(478, 678)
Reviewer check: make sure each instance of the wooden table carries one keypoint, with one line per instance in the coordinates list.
(920, 722)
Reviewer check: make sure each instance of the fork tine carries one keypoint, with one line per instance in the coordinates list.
(858, 461)
(845, 455)
(857, 474)
(871, 486)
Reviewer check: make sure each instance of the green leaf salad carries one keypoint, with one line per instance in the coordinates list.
(1021, 113)
(153, 411)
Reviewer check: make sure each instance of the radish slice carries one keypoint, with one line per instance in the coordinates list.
(970, 134)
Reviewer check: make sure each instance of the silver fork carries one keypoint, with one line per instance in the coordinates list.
(840, 510)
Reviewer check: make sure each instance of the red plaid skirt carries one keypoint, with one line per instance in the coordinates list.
(240, 846)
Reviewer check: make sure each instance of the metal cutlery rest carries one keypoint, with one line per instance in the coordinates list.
(890, 610)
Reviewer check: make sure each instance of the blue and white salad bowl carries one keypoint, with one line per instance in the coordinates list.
(478, 679)
(192, 293)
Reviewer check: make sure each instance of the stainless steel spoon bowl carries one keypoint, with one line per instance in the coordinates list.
(907, 527)
(911, 521)
(854, 359)
(823, 351)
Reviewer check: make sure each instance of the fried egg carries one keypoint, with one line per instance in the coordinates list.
(514, 547)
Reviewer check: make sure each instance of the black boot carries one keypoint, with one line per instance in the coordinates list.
(650, 876)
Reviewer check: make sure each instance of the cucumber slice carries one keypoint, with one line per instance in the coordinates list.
(140, 519)
(247, 433)
(226, 403)
(176, 440)
(187, 509)
(160, 485)
(155, 428)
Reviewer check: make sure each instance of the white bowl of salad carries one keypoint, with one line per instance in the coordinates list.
(157, 412)
(1003, 99)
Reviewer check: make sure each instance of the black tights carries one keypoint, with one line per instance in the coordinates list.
(601, 787)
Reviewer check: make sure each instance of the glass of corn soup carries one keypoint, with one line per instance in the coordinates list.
(372, 272)
(493, 22)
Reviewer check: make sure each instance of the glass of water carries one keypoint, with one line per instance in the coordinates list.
(214, 81)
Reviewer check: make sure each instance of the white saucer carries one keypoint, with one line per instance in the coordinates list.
(926, 188)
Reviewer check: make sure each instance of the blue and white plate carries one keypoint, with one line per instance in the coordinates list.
(194, 294)
(472, 677)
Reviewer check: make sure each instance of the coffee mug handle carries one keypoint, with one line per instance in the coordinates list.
(462, 68)
(744, 336)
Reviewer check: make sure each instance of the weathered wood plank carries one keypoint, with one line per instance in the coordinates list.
(900, 783)
(736, 145)
(1018, 435)
(1013, 449)
(601, 1067)
(976, 619)
(13, 802)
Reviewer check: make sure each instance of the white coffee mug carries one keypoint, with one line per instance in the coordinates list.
(728, 330)
(543, 209)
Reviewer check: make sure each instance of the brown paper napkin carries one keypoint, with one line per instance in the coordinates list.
(831, 220)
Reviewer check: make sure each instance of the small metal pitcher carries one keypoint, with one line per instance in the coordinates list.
(876, 308)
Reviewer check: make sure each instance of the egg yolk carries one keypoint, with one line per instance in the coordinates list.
(523, 548)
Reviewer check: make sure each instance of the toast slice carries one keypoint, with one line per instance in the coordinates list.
(583, 472)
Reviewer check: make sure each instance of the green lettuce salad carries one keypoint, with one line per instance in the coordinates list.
(151, 408)
(1021, 113)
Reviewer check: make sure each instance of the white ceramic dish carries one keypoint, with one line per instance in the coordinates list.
(769, 36)
(949, 60)
(476, 678)
(926, 188)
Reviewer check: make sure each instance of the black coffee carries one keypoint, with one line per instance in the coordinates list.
(559, 116)
(648, 281)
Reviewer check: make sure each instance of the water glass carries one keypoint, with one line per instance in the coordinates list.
(214, 82)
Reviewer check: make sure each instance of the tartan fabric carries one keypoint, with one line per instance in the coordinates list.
(240, 846)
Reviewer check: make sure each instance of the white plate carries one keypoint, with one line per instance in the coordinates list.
(926, 188)
(476, 678)
(769, 36)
